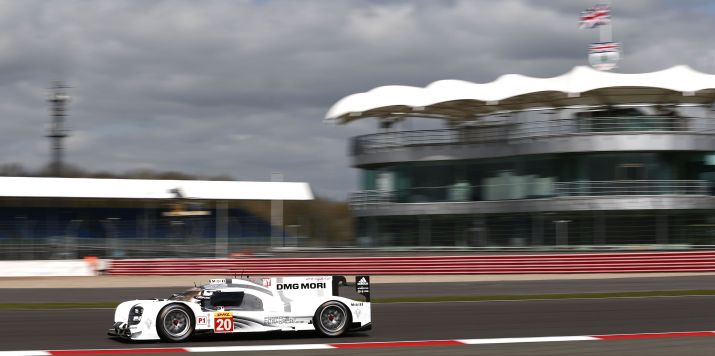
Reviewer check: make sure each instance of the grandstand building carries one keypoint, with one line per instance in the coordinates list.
(583, 159)
(61, 218)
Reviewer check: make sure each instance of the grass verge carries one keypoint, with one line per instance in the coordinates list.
(451, 298)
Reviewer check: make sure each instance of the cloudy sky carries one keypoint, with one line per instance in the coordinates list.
(241, 87)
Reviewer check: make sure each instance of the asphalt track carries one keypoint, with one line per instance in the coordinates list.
(392, 290)
(86, 328)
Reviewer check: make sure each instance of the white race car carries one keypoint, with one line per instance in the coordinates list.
(244, 305)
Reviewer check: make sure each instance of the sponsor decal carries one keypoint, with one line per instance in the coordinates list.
(217, 281)
(202, 320)
(355, 304)
(362, 285)
(266, 282)
(305, 285)
(278, 320)
(223, 322)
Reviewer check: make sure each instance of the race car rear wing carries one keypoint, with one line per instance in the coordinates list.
(362, 285)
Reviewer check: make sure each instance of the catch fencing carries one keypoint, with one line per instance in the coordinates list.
(701, 261)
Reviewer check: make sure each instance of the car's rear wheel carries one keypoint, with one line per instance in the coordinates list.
(332, 319)
(175, 323)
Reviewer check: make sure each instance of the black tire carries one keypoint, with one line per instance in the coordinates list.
(332, 319)
(175, 323)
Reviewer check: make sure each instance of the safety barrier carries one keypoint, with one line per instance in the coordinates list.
(701, 261)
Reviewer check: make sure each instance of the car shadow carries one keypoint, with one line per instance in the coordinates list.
(253, 336)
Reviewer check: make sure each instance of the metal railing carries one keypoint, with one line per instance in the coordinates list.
(514, 131)
(633, 187)
(491, 192)
(71, 247)
(371, 197)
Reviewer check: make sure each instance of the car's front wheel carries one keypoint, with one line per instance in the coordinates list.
(175, 323)
(332, 319)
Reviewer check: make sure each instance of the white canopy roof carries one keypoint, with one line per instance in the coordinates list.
(456, 99)
(151, 189)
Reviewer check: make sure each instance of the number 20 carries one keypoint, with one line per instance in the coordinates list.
(224, 324)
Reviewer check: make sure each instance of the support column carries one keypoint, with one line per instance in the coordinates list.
(277, 234)
(537, 229)
(71, 232)
(145, 220)
(562, 232)
(425, 231)
(27, 250)
(221, 229)
(599, 228)
(661, 227)
(373, 231)
(479, 232)
(461, 233)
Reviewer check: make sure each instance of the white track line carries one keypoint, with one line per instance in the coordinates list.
(259, 348)
(517, 340)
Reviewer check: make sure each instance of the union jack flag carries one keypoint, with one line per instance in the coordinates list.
(595, 16)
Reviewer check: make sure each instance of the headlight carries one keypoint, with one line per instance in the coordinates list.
(135, 315)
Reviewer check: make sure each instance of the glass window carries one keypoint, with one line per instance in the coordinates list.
(710, 159)
(368, 179)
(226, 299)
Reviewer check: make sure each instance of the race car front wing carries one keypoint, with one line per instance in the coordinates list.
(120, 329)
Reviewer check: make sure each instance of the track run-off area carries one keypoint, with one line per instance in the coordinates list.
(456, 326)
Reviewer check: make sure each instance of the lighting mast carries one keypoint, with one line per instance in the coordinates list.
(58, 99)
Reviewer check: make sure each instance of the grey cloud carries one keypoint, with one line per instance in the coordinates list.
(241, 87)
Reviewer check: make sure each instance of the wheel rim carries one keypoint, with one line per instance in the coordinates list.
(176, 323)
(333, 318)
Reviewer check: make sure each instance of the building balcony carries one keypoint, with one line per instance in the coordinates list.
(517, 137)
(540, 195)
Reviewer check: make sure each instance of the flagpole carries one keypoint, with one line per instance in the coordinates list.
(605, 31)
